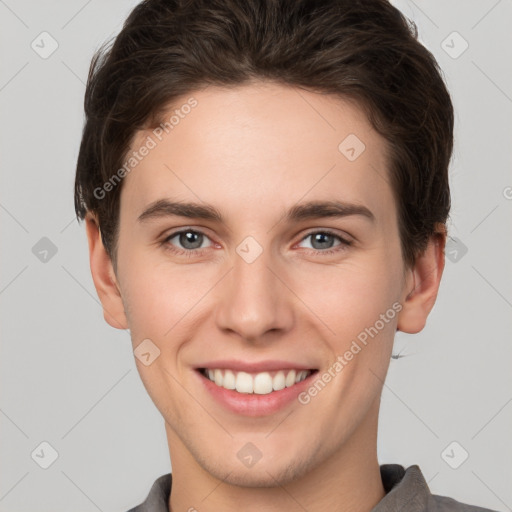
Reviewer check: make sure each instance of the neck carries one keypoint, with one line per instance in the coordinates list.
(349, 479)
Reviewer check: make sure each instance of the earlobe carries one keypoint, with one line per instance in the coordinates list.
(104, 278)
(422, 285)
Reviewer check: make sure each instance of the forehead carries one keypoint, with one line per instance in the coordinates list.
(262, 144)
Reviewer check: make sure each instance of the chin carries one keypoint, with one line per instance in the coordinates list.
(264, 474)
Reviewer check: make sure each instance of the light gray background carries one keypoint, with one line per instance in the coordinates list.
(69, 379)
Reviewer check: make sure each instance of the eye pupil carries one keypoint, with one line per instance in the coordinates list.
(191, 239)
(325, 240)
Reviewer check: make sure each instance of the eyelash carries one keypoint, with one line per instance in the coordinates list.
(194, 252)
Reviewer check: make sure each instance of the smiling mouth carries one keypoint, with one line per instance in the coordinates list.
(262, 383)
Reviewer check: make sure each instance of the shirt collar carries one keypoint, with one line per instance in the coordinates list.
(405, 489)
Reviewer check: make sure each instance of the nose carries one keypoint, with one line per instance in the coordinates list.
(254, 301)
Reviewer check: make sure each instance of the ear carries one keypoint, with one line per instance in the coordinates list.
(104, 278)
(422, 285)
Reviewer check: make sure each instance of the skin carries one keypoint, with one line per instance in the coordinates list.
(253, 152)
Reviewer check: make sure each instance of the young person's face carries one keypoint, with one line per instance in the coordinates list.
(255, 153)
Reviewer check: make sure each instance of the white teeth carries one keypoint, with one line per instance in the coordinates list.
(229, 380)
(301, 376)
(290, 379)
(261, 383)
(244, 383)
(278, 381)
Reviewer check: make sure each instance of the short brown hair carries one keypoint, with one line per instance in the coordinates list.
(364, 50)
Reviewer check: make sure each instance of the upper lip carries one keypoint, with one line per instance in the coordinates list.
(254, 367)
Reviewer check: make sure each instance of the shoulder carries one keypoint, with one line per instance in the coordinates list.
(406, 489)
(445, 504)
(158, 496)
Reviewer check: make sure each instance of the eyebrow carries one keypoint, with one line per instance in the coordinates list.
(310, 210)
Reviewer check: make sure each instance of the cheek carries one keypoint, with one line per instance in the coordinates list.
(160, 296)
(354, 293)
(359, 305)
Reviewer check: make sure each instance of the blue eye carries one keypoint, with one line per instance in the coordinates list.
(188, 239)
(325, 242)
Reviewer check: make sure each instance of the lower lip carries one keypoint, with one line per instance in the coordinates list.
(252, 404)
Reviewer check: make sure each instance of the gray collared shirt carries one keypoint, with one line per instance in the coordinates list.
(406, 491)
